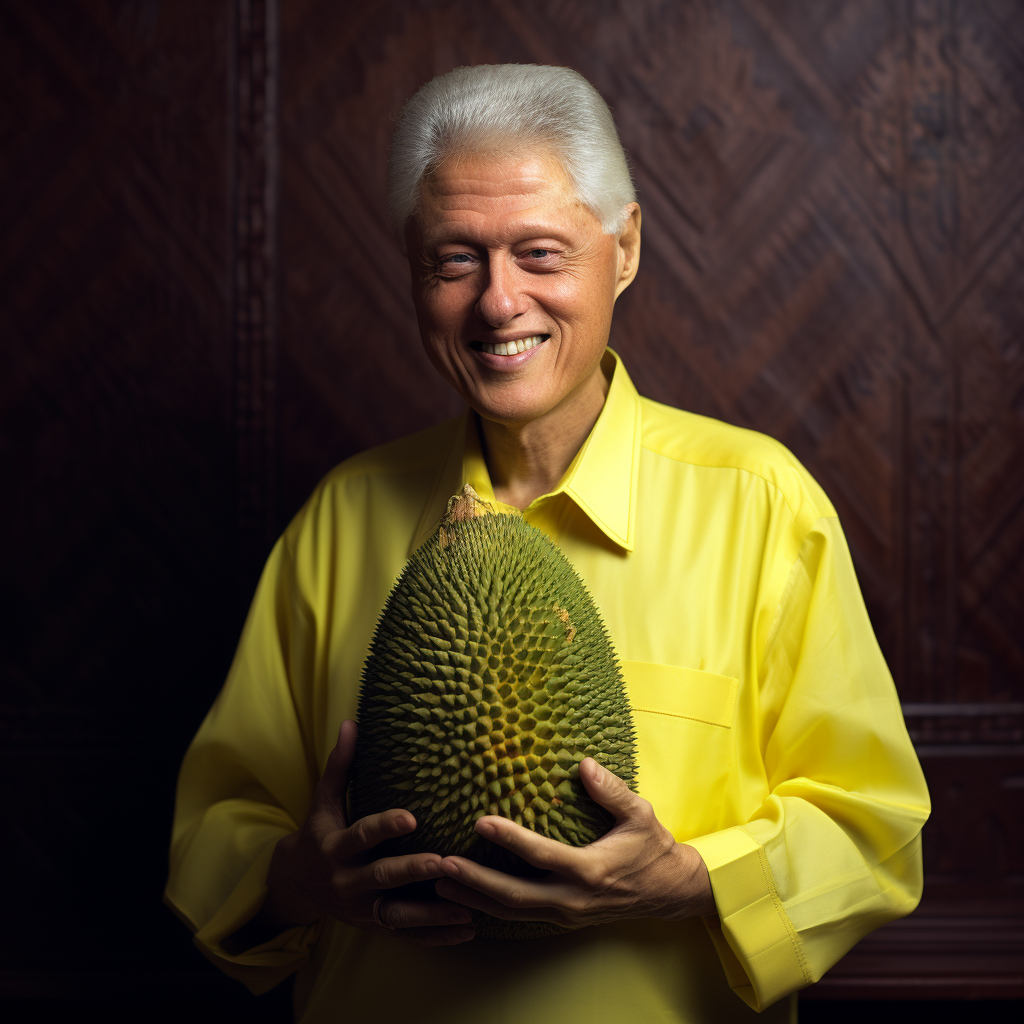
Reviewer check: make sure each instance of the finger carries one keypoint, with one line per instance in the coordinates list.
(607, 789)
(466, 881)
(391, 872)
(401, 914)
(529, 908)
(334, 781)
(368, 832)
(538, 850)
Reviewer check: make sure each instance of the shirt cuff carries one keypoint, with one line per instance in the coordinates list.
(266, 965)
(756, 942)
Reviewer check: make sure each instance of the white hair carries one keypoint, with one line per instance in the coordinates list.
(490, 105)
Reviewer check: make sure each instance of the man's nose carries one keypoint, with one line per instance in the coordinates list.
(501, 300)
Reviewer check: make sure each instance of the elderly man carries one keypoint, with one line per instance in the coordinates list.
(780, 801)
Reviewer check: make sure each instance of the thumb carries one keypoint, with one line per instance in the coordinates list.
(335, 778)
(607, 789)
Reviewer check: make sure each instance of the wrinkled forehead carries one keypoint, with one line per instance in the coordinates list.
(476, 191)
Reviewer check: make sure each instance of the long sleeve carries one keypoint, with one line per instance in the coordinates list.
(245, 782)
(834, 851)
(768, 731)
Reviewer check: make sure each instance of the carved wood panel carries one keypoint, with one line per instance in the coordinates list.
(833, 254)
(203, 311)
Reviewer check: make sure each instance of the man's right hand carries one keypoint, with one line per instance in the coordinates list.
(328, 868)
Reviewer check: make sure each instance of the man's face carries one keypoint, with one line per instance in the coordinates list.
(503, 257)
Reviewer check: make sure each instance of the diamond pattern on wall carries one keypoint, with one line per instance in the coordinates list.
(204, 312)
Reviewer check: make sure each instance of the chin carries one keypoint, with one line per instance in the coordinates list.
(509, 413)
(517, 402)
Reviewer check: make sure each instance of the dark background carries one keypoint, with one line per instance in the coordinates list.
(202, 311)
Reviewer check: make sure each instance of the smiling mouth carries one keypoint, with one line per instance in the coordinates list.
(510, 348)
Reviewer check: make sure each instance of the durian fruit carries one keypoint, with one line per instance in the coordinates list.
(489, 679)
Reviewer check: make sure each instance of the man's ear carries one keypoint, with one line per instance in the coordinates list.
(628, 248)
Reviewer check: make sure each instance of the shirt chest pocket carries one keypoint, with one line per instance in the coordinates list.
(683, 719)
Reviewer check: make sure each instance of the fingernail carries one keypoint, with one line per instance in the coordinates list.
(465, 934)
(450, 868)
(485, 828)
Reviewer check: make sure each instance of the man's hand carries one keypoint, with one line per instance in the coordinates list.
(635, 870)
(329, 867)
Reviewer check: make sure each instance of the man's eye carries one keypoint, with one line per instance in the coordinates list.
(538, 254)
(458, 257)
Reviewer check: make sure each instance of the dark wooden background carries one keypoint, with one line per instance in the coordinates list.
(202, 311)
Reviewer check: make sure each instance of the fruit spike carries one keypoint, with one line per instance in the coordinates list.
(489, 679)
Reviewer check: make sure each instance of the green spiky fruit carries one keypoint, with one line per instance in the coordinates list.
(489, 679)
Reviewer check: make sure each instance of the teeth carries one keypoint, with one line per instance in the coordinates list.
(511, 348)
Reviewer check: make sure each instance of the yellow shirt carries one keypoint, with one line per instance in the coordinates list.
(769, 732)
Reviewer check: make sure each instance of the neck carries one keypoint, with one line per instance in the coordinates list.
(526, 460)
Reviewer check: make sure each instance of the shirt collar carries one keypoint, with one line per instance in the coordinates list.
(601, 479)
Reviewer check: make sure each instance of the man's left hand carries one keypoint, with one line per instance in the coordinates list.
(635, 870)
